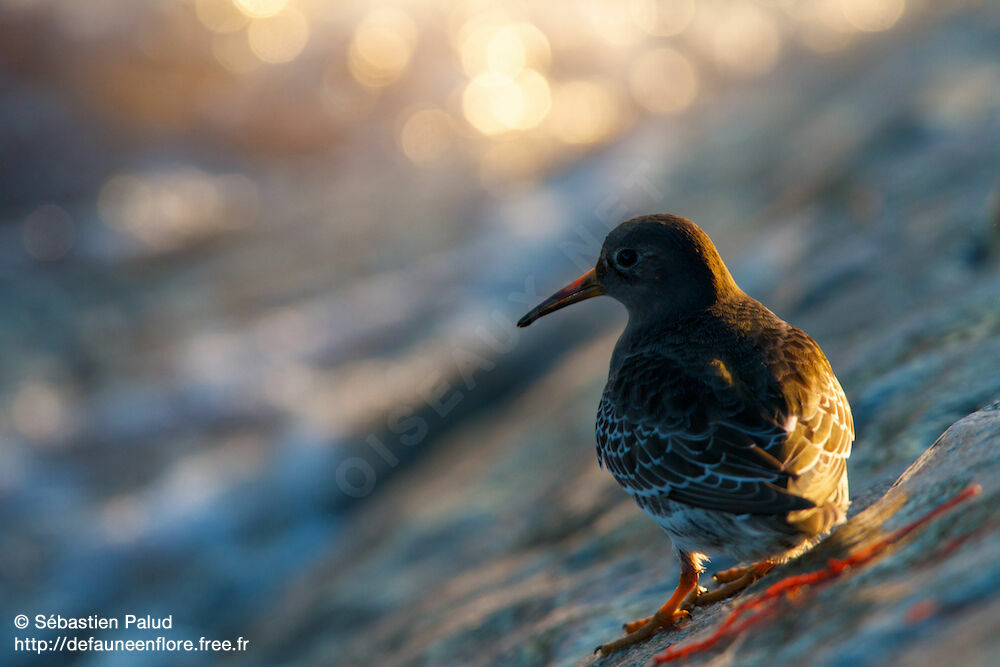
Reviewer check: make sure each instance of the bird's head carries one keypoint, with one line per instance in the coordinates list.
(660, 264)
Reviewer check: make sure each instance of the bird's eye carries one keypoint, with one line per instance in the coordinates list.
(625, 258)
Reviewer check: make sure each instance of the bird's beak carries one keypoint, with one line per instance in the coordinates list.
(584, 287)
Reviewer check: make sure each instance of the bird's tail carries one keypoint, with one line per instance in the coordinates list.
(820, 520)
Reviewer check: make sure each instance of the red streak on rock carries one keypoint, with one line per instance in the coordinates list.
(758, 609)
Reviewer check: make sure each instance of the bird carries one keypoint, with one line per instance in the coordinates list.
(723, 422)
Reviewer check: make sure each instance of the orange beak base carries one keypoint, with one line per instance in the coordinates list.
(584, 287)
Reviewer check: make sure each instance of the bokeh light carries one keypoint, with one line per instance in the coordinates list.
(504, 48)
(495, 103)
(496, 69)
(613, 22)
(746, 39)
(873, 15)
(220, 15)
(280, 37)
(261, 8)
(663, 18)
(169, 209)
(426, 135)
(822, 27)
(663, 81)
(382, 46)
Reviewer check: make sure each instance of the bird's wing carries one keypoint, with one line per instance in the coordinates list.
(816, 415)
(700, 439)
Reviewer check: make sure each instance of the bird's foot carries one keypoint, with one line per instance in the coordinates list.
(668, 616)
(686, 606)
(732, 574)
(734, 580)
(642, 629)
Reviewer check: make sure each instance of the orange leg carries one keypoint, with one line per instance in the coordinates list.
(665, 617)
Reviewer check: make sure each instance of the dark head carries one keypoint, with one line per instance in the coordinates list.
(654, 263)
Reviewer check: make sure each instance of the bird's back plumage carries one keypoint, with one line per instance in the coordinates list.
(729, 418)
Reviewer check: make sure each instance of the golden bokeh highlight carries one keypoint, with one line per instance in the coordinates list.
(503, 48)
(663, 18)
(382, 47)
(260, 9)
(584, 112)
(426, 135)
(746, 39)
(612, 21)
(873, 15)
(494, 103)
(481, 96)
(472, 17)
(663, 81)
(279, 38)
(617, 60)
(220, 15)
(821, 26)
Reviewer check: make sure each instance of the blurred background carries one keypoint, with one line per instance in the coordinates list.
(260, 257)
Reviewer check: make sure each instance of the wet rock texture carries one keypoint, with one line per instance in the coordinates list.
(504, 544)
